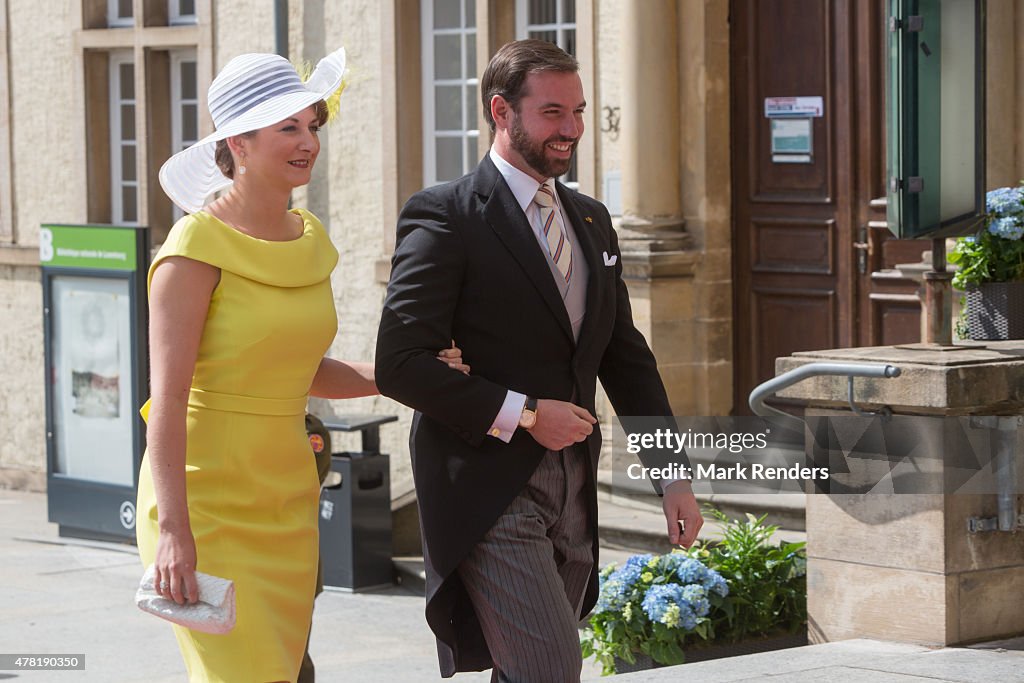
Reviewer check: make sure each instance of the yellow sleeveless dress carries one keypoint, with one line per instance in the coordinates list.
(251, 477)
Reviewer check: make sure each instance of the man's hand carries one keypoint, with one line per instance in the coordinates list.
(680, 505)
(560, 424)
(453, 358)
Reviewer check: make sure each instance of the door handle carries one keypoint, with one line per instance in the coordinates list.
(863, 247)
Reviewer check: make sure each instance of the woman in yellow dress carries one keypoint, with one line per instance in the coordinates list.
(241, 314)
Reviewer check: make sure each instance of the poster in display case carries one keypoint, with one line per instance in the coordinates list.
(94, 322)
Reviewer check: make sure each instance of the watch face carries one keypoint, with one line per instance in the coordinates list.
(527, 419)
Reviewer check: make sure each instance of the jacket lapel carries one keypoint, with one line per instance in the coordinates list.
(591, 252)
(508, 221)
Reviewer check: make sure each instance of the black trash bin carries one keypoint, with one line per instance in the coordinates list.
(355, 510)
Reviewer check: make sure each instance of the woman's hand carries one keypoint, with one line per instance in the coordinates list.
(175, 566)
(453, 357)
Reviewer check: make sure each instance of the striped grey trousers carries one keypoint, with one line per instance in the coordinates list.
(528, 575)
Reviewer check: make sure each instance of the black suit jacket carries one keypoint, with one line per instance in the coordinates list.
(468, 267)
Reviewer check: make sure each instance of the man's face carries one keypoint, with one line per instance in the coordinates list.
(547, 124)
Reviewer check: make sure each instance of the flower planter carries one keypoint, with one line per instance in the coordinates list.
(747, 647)
(995, 310)
(719, 651)
(643, 663)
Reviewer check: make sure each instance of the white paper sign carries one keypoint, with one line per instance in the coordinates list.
(781, 107)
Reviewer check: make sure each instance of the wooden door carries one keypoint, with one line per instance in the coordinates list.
(812, 259)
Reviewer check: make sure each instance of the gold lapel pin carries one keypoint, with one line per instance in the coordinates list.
(589, 219)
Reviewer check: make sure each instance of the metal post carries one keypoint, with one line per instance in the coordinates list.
(281, 27)
(1005, 437)
(938, 298)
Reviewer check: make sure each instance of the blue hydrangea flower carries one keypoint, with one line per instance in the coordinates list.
(613, 595)
(1006, 227)
(1005, 207)
(678, 603)
(667, 604)
(617, 586)
(638, 561)
(1005, 200)
(715, 583)
(691, 571)
(697, 597)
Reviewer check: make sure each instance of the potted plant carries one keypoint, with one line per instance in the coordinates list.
(648, 609)
(990, 270)
(736, 596)
(767, 604)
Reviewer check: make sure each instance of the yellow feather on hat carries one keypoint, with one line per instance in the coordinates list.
(333, 101)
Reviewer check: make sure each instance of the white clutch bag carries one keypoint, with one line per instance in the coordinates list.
(213, 613)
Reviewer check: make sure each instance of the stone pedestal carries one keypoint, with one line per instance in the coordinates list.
(905, 567)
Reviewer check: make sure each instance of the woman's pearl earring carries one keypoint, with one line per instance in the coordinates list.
(241, 167)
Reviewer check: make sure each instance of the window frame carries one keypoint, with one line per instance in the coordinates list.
(523, 29)
(118, 58)
(469, 134)
(523, 25)
(175, 59)
(174, 16)
(115, 20)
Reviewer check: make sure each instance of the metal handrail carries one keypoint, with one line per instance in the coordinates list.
(764, 391)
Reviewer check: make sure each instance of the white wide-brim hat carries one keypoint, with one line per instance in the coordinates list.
(252, 91)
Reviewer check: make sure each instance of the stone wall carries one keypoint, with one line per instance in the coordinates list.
(688, 320)
(47, 187)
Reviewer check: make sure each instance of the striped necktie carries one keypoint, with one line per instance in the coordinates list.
(551, 221)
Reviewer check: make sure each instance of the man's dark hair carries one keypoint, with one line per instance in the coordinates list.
(506, 73)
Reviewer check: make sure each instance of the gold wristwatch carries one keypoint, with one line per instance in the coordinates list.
(529, 416)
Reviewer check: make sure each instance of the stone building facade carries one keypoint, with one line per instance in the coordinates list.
(658, 151)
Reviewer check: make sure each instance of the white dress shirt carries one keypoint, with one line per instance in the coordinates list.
(524, 189)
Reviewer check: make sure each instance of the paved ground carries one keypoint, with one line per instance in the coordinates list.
(855, 661)
(64, 596)
(61, 596)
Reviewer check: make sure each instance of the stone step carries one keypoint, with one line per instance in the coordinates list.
(640, 525)
(411, 575)
(853, 661)
(785, 510)
(623, 530)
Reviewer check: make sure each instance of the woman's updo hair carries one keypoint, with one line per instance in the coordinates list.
(226, 162)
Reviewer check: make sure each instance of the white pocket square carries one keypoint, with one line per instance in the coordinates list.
(610, 260)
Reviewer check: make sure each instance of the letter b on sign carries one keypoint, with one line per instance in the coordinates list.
(45, 245)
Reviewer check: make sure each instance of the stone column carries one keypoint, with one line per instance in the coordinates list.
(675, 202)
(907, 567)
(656, 261)
(651, 196)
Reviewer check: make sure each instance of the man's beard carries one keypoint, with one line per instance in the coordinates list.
(533, 151)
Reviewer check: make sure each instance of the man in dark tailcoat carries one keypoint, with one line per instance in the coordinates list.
(525, 275)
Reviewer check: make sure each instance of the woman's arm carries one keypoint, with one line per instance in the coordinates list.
(343, 379)
(346, 379)
(180, 293)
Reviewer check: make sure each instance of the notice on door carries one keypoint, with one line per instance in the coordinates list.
(790, 107)
(792, 141)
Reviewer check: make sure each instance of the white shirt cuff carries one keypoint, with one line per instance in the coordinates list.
(507, 421)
